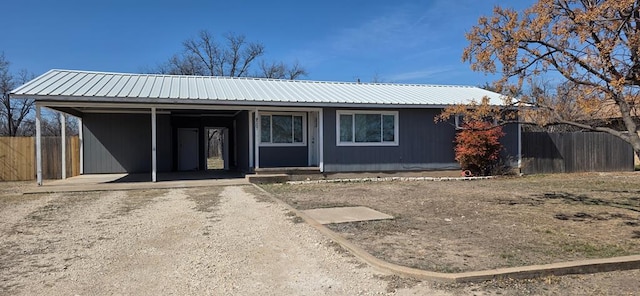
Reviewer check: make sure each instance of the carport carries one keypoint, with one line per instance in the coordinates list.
(139, 123)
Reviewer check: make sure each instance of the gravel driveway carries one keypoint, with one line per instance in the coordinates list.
(212, 241)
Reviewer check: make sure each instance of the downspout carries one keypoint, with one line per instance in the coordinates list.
(81, 140)
(519, 145)
(321, 140)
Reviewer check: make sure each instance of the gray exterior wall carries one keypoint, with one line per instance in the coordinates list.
(273, 157)
(121, 143)
(423, 145)
(242, 141)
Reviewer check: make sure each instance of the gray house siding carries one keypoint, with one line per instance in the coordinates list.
(121, 143)
(423, 145)
(242, 141)
(273, 157)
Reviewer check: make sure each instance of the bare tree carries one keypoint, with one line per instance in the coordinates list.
(272, 70)
(206, 56)
(51, 125)
(281, 71)
(233, 57)
(13, 112)
(377, 78)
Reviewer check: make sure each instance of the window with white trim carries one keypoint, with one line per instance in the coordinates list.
(282, 129)
(366, 128)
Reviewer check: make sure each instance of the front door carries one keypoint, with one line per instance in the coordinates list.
(313, 139)
(188, 149)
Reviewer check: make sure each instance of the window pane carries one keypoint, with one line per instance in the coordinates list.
(368, 127)
(265, 128)
(346, 128)
(282, 129)
(297, 129)
(388, 128)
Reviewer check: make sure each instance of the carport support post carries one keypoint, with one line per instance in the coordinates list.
(38, 147)
(256, 135)
(81, 140)
(154, 166)
(63, 138)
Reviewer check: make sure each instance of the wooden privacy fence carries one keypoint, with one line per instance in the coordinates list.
(574, 152)
(18, 158)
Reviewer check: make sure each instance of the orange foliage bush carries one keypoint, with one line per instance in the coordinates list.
(478, 146)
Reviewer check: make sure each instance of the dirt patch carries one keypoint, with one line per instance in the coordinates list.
(475, 225)
(206, 198)
(137, 199)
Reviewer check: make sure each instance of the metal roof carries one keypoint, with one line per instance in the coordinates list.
(69, 85)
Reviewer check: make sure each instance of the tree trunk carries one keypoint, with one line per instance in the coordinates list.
(634, 140)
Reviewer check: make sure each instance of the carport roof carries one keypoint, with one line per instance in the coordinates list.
(71, 85)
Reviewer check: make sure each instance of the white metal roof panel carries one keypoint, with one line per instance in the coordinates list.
(85, 85)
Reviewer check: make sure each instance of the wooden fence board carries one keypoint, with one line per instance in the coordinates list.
(574, 152)
(18, 163)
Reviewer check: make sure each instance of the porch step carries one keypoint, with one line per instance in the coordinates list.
(267, 178)
(288, 171)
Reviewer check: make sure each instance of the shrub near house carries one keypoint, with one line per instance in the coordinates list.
(478, 147)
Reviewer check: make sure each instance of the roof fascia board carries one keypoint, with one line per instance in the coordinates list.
(50, 104)
(224, 104)
(115, 111)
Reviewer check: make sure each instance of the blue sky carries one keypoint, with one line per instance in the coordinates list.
(399, 41)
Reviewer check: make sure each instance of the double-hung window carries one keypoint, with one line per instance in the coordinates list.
(367, 128)
(282, 129)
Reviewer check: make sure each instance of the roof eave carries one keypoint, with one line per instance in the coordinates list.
(248, 103)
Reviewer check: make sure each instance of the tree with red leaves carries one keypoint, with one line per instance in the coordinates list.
(478, 147)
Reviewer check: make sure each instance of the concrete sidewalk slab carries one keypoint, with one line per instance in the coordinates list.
(345, 214)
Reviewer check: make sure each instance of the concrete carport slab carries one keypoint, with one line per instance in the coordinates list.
(110, 182)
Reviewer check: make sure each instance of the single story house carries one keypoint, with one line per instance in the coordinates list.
(138, 123)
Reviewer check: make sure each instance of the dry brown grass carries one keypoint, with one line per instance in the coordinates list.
(474, 225)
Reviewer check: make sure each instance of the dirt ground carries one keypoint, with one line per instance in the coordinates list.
(457, 226)
(197, 241)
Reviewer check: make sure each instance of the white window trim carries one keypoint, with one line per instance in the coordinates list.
(304, 130)
(396, 128)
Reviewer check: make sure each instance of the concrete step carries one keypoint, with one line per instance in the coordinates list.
(288, 171)
(267, 178)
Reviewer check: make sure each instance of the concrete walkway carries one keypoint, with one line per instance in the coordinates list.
(345, 214)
